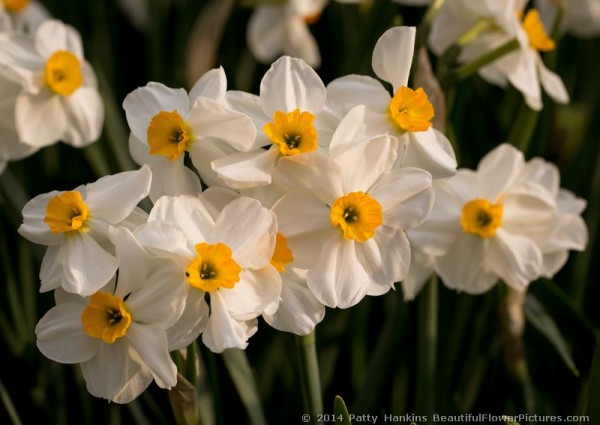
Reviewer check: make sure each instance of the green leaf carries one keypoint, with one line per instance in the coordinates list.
(310, 378)
(543, 322)
(339, 409)
(383, 356)
(243, 379)
(8, 405)
(592, 407)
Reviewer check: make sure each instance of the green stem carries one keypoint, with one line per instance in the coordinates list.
(512, 323)
(382, 358)
(191, 371)
(471, 68)
(522, 131)
(427, 348)
(475, 31)
(97, 159)
(581, 271)
(309, 375)
(9, 406)
(13, 191)
(239, 369)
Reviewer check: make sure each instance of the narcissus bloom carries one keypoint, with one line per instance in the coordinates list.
(499, 23)
(285, 113)
(118, 334)
(568, 231)
(581, 18)
(224, 254)
(166, 123)
(346, 217)
(276, 29)
(24, 16)
(407, 115)
(299, 311)
(508, 220)
(59, 100)
(74, 225)
(10, 147)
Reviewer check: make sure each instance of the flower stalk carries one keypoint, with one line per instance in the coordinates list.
(512, 324)
(427, 348)
(309, 374)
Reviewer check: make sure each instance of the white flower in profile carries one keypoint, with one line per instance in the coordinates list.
(581, 18)
(74, 225)
(276, 29)
(568, 230)
(10, 147)
(299, 311)
(501, 20)
(222, 255)
(346, 216)
(422, 266)
(407, 115)
(24, 16)
(118, 334)
(286, 113)
(484, 225)
(59, 99)
(165, 123)
(138, 12)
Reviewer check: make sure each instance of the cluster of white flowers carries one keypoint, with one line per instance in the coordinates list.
(48, 90)
(314, 193)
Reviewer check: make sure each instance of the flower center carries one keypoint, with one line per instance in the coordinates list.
(411, 110)
(293, 132)
(538, 38)
(66, 212)
(63, 73)
(357, 214)
(282, 255)
(480, 217)
(168, 135)
(15, 5)
(106, 317)
(213, 268)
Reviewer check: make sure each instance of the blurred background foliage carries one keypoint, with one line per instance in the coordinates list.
(377, 355)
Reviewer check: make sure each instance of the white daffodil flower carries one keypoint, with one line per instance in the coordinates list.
(138, 12)
(223, 254)
(484, 223)
(5, 22)
(406, 115)
(291, 97)
(346, 216)
(299, 311)
(529, 231)
(24, 16)
(581, 18)
(568, 231)
(74, 225)
(59, 99)
(421, 268)
(523, 68)
(165, 123)
(118, 334)
(10, 148)
(276, 29)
